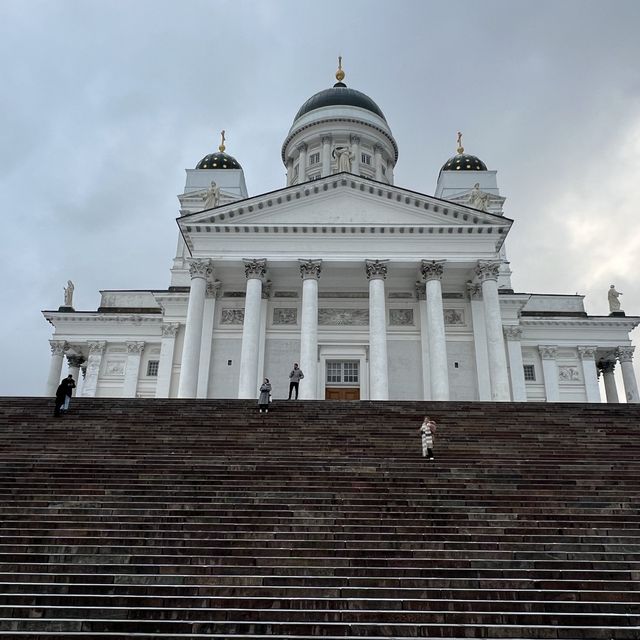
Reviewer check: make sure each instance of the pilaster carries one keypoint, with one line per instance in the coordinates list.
(513, 336)
(590, 373)
(212, 292)
(480, 340)
(58, 347)
(548, 354)
(96, 351)
(75, 362)
(165, 365)
(132, 370)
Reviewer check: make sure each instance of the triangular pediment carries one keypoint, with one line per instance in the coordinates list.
(343, 200)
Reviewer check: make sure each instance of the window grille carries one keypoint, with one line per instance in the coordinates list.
(529, 372)
(152, 367)
(343, 372)
(365, 158)
(314, 158)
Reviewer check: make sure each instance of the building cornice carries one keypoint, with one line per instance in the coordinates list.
(628, 322)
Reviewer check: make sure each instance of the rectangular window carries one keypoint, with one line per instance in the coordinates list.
(529, 372)
(314, 158)
(152, 367)
(365, 158)
(343, 372)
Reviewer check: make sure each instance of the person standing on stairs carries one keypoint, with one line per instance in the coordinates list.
(63, 395)
(427, 430)
(265, 396)
(294, 379)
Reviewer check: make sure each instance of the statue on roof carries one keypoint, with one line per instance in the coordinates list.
(478, 199)
(344, 158)
(68, 294)
(613, 295)
(212, 196)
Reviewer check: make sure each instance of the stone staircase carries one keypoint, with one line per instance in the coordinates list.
(205, 519)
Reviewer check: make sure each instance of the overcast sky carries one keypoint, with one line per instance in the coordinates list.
(103, 104)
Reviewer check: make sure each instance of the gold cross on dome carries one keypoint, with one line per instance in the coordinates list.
(222, 147)
(460, 148)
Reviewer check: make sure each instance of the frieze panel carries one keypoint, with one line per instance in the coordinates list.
(285, 316)
(232, 316)
(454, 317)
(401, 317)
(343, 317)
(114, 368)
(568, 374)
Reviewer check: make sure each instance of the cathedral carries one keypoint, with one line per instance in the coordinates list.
(377, 291)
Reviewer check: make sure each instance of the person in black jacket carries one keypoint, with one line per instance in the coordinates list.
(63, 395)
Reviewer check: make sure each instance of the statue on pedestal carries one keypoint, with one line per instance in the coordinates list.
(614, 303)
(478, 199)
(344, 157)
(212, 196)
(68, 294)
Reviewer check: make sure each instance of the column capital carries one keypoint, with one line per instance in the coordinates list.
(376, 269)
(377, 148)
(170, 329)
(75, 361)
(625, 354)
(199, 268)
(327, 139)
(587, 353)
(354, 139)
(255, 268)
(58, 347)
(213, 289)
(548, 351)
(302, 146)
(310, 269)
(606, 366)
(421, 292)
(487, 270)
(474, 289)
(97, 348)
(135, 347)
(511, 332)
(432, 269)
(266, 290)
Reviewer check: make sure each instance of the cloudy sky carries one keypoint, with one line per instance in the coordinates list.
(103, 104)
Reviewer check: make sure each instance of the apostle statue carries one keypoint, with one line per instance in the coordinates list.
(478, 199)
(68, 294)
(614, 303)
(212, 196)
(344, 157)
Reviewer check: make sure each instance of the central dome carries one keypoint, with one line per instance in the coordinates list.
(339, 95)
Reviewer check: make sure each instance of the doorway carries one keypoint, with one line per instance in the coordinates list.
(342, 380)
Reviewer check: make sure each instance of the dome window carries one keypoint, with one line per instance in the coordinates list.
(314, 158)
(365, 158)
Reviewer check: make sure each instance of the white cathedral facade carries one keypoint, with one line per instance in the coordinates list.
(377, 291)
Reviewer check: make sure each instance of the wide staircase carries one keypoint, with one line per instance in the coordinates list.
(205, 519)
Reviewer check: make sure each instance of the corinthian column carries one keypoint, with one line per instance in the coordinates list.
(58, 347)
(302, 163)
(548, 354)
(432, 274)
(208, 315)
(132, 370)
(255, 271)
(199, 270)
(590, 373)
(625, 357)
(487, 274)
(326, 159)
(309, 272)
(74, 369)
(378, 367)
(607, 368)
(96, 351)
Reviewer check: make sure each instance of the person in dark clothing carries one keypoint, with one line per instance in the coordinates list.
(63, 395)
(265, 396)
(294, 379)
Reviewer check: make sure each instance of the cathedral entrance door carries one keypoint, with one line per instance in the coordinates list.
(342, 393)
(342, 380)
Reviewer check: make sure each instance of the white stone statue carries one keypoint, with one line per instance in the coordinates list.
(345, 157)
(212, 196)
(68, 294)
(478, 199)
(614, 303)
